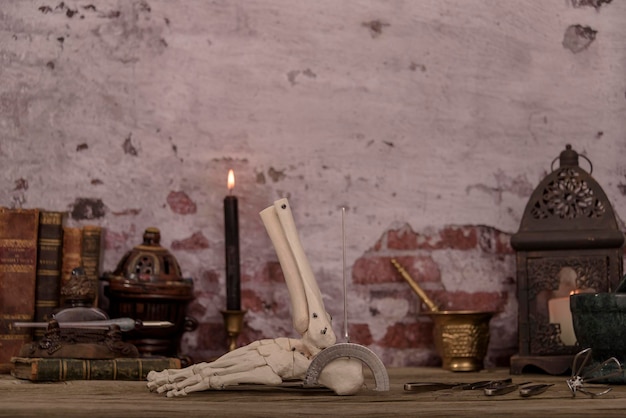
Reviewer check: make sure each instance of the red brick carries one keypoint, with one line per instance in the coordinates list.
(438, 296)
(196, 309)
(270, 273)
(464, 237)
(402, 239)
(211, 336)
(458, 237)
(479, 301)
(413, 335)
(251, 301)
(421, 268)
(180, 203)
(206, 284)
(379, 244)
(494, 241)
(195, 242)
(455, 237)
(210, 276)
(369, 270)
(372, 270)
(360, 334)
(117, 240)
(249, 335)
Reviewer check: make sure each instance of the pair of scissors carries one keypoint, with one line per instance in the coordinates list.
(526, 389)
(420, 387)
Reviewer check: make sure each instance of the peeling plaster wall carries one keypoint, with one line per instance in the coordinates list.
(415, 116)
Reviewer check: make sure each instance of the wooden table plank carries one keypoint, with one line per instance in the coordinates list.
(19, 398)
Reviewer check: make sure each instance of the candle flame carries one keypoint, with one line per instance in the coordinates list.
(231, 180)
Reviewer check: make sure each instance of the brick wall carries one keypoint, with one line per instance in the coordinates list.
(430, 121)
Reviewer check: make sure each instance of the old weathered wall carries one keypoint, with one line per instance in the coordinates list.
(430, 121)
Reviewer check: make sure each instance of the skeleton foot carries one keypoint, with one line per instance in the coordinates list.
(189, 387)
(270, 362)
(198, 382)
(175, 393)
(193, 384)
(156, 380)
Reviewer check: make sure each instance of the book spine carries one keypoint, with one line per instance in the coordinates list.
(18, 266)
(72, 255)
(91, 252)
(49, 258)
(62, 369)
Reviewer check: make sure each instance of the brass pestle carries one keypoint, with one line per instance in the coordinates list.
(420, 292)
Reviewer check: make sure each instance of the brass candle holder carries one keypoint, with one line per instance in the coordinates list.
(233, 322)
(461, 337)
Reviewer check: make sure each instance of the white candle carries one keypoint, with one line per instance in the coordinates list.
(560, 313)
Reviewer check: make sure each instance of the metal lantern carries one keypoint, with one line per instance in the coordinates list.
(147, 285)
(568, 242)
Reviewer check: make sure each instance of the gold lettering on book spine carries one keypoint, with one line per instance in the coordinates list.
(19, 268)
(50, 218)
(17, 243)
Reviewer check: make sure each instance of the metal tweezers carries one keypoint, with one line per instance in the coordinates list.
(532, 390)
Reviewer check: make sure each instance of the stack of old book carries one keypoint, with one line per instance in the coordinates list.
(62, 369)
(38, 253)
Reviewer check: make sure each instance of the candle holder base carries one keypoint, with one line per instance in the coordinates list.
(233, 322)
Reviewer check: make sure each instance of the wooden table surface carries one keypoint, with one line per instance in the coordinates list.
(21, 398)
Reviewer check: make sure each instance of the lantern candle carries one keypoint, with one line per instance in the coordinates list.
(559, 313)
(231, 233)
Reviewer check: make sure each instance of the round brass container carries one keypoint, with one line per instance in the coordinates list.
(461, 338)
(147, 285)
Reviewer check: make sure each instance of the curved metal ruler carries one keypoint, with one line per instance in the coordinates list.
(367, 356)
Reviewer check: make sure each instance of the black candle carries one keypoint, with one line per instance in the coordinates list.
(231, 234)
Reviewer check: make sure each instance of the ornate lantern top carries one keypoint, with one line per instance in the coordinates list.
(568, 209)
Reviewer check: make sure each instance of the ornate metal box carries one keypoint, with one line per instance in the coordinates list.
(568, 242)
(147, 285)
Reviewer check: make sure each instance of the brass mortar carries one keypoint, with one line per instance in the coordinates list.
(461, 337)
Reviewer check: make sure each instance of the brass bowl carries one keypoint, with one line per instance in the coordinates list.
(461, 338)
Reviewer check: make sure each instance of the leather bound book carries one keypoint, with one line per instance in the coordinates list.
(72, 255)
(91, 251)
(62, 369)
(49, 258)
(18, 265)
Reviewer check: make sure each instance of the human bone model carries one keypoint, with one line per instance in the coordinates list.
(273, 361)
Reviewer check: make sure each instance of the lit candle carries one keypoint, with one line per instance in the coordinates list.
(559, 313)
(231, 233)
